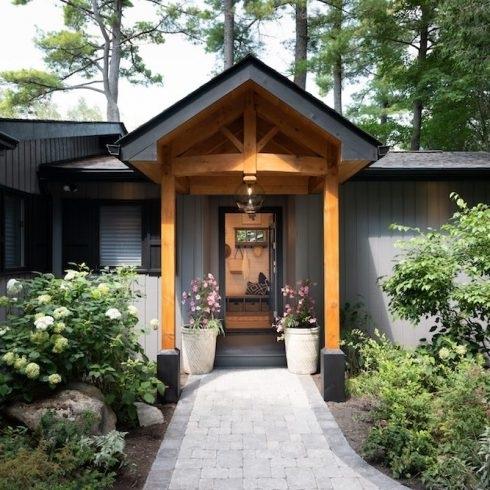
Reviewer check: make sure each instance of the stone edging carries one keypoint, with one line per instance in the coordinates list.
(337, 441)
(162, 468)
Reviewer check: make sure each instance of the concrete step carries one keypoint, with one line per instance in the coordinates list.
(246, 349)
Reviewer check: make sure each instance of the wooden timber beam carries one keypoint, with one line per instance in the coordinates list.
(152, 170)
(316, 185)
(331, 262)
(207, 164)
(232, 163)
(250, 136)
(266, 138)
(349, 168)
(168, 255)
(294, 128)
(206, 127)
(238, 144)
(290, 164)
(226, 185)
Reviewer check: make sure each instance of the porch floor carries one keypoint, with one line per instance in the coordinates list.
(256, 429)
(249, 349)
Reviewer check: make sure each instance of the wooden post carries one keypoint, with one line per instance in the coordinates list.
(331, 263)
(167, 217)
(249, 137)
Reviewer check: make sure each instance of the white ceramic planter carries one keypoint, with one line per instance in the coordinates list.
(302, 346)
(198, 350)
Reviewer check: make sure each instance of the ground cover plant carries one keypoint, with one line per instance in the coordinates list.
(60, 454)
(430, 412)
(82, 327)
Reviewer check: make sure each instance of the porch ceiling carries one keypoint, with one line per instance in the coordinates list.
(248, 120)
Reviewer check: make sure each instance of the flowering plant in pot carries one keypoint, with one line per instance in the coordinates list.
(199, 335)
(298, 327)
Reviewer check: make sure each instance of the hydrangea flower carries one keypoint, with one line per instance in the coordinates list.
(154, 323)
(58, 327)
(444, 353)
(44, 299)
(103, 288)
(70, 275)
(460, 349)
(14, 287)
(32, 370)
(54, 379)
(113, 314)
(3, 331)
(44, 322)
(61, 312)
(60, 344)
(132, 310)
(20, 363)
(9, 358)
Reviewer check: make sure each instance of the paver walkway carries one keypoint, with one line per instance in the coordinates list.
(257, 428)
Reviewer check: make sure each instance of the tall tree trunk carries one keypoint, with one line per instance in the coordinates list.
(418, 106)
(229, 34)
(115, 62)
(337, 85)
(338, 69)
(301, 43)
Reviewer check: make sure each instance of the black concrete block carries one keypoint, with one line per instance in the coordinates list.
(168, 371)
(332, 368)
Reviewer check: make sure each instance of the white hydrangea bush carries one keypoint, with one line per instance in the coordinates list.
(82, 327)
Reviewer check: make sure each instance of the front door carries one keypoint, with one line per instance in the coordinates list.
(250, 269)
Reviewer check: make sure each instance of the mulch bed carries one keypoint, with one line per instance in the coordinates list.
(142, 445)
(354, 419)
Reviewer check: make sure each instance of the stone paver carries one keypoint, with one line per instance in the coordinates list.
(257, 429)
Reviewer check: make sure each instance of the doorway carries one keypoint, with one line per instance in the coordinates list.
(250, 269)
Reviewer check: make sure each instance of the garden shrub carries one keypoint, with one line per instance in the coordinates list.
(445, 275)
(61, 455)
(430, 412)
(355, 325)
(82, 327)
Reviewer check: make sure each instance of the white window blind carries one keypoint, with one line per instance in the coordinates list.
(120, 235)
(14, 232)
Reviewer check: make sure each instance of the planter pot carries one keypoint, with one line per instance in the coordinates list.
(302, 346)
(198, 350)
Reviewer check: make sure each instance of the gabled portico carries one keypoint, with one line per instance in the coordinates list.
(251, 123)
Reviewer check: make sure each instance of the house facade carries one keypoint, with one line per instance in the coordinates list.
(162, 198)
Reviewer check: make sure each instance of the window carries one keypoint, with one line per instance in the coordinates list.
(14, 239)
(120, 235)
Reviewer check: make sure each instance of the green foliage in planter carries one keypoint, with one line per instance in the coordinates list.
(445, 274)
(61, 455)
(79, 328)
(429, 411)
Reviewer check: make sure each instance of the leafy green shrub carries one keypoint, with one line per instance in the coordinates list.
(445, 274)
(59, 455)
(355, 323)
(429, 411)
(81, 327)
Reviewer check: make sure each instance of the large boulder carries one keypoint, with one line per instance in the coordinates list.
(148, 414)
(70, 404)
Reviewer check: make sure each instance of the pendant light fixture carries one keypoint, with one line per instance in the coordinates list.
(249, 196)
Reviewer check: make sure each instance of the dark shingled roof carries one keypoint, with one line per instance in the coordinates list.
(434, 160)
(428, 165)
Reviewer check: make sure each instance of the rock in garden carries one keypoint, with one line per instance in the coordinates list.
(148, 414)
(68, 404)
